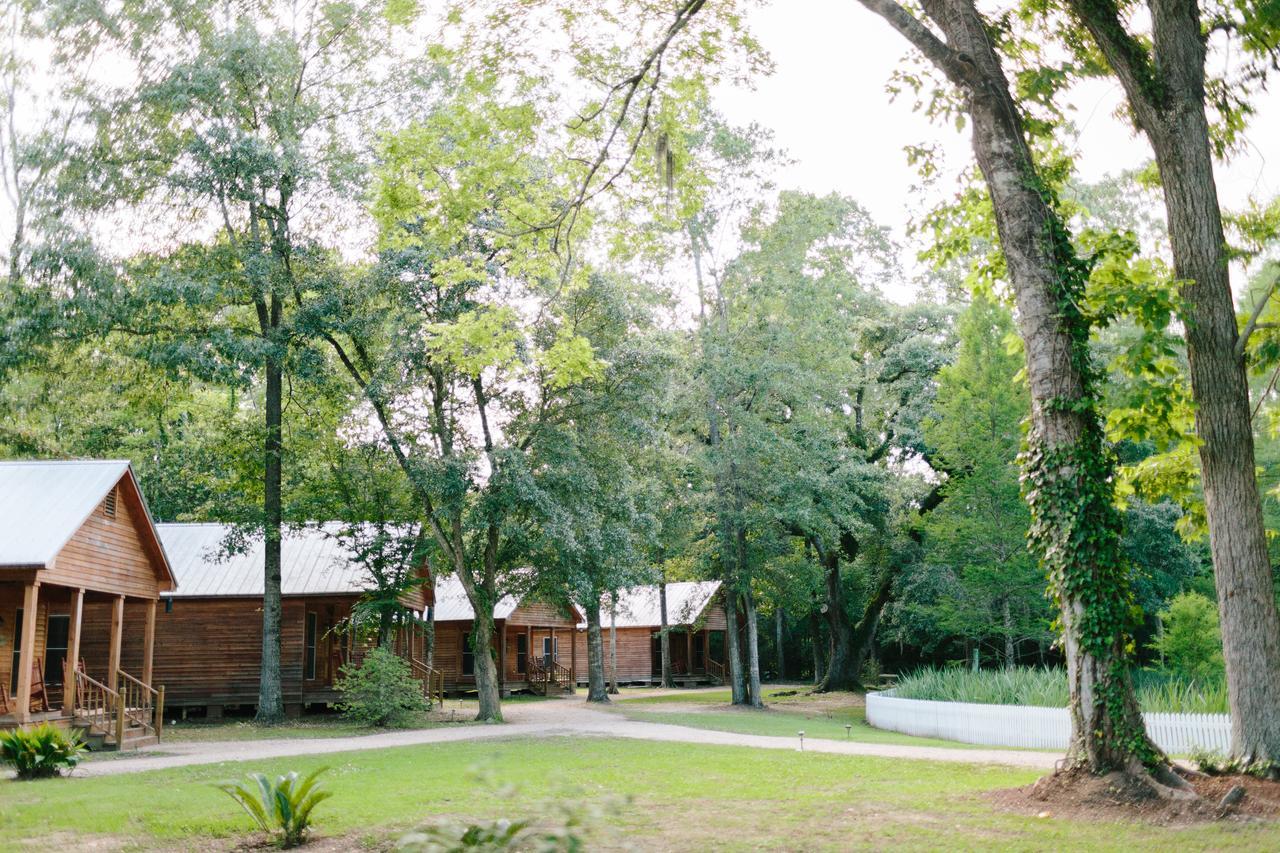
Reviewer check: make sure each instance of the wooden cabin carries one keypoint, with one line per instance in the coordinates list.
(77, 539)
(535, 645)
(209, 633)
(696, 623)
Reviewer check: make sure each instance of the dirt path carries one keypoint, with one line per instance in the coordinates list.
(559, 718)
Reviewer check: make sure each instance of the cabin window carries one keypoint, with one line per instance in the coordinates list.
(468, 656)
(309, 659)
(522, 653)
(17, 651)
(109, 504)
(55, 648)
(699, 651)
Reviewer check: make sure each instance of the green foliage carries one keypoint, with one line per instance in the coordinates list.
(381, 691)
(281, 808)
(1216, 764)
(1047, 688)
(41, 751)
(1190, 642)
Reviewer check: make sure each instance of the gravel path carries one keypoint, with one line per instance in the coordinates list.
(559, 718)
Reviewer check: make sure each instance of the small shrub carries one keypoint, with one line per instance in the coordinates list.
(381, 691)
(40, 751)
(281, 808)
(1190, 642)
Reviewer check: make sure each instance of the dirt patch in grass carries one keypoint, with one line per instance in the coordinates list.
(1083, 796)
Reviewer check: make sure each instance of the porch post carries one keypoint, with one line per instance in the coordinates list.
(27, 655)
(73, 653)
(555, 656)
(573, 656)
(688, 651)
(117, 635)
(529, 655)
(149, 641)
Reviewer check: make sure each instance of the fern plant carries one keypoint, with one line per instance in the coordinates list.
(40, 751)
(281, 808)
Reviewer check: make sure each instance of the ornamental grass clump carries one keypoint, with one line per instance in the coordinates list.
(42, 751)
(1045, 687)
(281, 808)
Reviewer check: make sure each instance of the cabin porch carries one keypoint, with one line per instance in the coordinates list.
(49, 674)
(697, 656)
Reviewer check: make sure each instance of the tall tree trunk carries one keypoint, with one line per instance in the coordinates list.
(778, 619)
(664, 637)
(754, 695)
(613, 644)
(1068, 467)
(842, 670)
(1165, 85)
(270, 692)
(815, 634)
(487, 691)
(596, 690)
(733, 643)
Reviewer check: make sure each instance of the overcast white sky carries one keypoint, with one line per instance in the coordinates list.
(827, 105)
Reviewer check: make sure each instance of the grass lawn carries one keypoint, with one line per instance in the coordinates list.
(312, 726)
(667, 796)
(786, 713)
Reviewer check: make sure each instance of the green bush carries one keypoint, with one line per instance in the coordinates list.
(281, 808)
(1047, 688)
(40, 751)
(1190, 643)
(381, 691)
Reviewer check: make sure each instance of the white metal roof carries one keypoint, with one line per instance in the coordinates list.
(640, 606)
(453, 605)
(313, 561)
(43, 504)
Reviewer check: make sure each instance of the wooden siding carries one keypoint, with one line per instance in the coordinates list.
(208, 651)
(110, 554)
(451, 635)
(635, 653)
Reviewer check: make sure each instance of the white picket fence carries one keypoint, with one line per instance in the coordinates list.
(1036, 728)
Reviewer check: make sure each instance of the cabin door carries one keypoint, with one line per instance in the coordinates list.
(550, 651)
(55, 648)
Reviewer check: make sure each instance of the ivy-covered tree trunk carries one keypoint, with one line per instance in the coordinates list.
(1165, 85)
(270, 691)
(841, 672)
(1068, 468)
(596, 690)
(664, 638)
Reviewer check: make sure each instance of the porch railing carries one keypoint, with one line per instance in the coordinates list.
(715, 669)
(95, 704)
(547, 673)
(432, 681)
(142, 705)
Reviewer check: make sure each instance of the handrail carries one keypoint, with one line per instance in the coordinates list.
(92, 701)
(432, 680)
(143, 704)
(715, 669)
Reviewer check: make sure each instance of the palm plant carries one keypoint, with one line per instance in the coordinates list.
(281, 808)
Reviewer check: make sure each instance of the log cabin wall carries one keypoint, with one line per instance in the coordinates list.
(451, 637)
(208, 651)
(635, 645)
